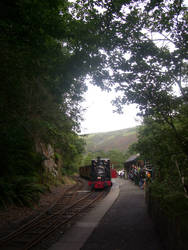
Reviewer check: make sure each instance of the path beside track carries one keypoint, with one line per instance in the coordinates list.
(119, 222)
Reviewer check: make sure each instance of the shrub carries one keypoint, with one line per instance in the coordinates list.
(22, 191)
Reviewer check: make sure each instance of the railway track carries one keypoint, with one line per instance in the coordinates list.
(61, 213)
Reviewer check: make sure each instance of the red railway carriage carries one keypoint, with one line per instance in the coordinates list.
(98, 173)
(113, 173)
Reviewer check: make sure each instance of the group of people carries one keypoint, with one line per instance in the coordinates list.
(121, 173)
(139, 175)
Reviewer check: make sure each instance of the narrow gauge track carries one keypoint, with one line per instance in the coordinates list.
(40, 227)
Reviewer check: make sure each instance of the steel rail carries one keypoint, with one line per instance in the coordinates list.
(61, 218)
(38, 218)
(58, 223)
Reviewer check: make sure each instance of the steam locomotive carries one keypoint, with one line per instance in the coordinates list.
(98, 173)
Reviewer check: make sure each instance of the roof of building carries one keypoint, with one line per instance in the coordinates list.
(132, 158)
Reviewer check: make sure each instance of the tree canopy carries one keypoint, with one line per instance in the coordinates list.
(49, 47)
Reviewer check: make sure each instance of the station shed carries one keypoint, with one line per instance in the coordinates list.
(133, 160)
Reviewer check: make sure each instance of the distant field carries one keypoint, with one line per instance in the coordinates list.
(114, 140)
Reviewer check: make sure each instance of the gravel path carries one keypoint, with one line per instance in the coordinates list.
(126, 225)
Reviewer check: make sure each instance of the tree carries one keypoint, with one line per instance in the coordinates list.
(116, 157)
(46, 52)
(148, 59)
(48, 48)
(44, 56)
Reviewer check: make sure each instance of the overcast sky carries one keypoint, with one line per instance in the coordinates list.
(99, 116)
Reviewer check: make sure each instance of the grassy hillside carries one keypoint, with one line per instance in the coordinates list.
(114, 140)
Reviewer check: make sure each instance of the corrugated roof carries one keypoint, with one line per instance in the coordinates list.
(132, 157)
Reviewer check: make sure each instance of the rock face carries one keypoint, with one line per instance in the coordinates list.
(51, 164)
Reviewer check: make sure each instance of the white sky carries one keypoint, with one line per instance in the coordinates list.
(99, 116)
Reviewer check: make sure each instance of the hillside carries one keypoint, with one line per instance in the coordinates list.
(120, 140)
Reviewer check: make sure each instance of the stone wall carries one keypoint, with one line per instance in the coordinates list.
(50, 163)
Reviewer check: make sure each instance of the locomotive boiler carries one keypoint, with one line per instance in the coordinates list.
(98, 173)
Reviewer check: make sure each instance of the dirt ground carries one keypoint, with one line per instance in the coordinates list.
(14, 216)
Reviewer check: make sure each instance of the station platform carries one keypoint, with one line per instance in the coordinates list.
(120, 221)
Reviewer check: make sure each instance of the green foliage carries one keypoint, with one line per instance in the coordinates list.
(17, 152)
(169, 211)
(172, 202)
(120, 140)
(20, 190)
(71, 153)
(41, 85)
(158, 143)
(49, 47)
(116, 157)
(92, 155)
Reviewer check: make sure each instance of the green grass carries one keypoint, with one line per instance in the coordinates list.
(119, 139)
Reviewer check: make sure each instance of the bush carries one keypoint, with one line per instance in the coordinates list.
(22, 191)
(169, 210)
